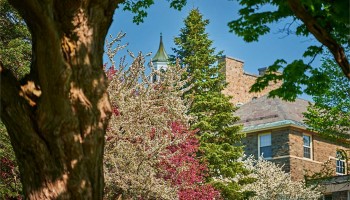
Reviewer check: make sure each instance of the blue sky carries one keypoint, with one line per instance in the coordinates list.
(161, 18)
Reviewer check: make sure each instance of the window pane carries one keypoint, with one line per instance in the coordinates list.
(340, 163)
(266, 152)
(307, 152)
(265, 140)
(307, 141)
(340, 168)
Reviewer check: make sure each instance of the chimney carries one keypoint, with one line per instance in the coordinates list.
(262, 71)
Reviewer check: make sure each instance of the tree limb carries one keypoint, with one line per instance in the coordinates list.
(15, 111)
(321, 34)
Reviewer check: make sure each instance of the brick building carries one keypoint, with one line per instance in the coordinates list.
(275, 130)
(239, 81)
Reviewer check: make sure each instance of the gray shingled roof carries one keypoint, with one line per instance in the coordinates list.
(266, 112)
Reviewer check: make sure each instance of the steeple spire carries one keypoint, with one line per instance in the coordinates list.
(161, 55)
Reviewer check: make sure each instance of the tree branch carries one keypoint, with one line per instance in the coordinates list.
(321, 34)
(15, 111)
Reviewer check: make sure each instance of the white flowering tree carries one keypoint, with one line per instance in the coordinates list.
(149, 153)
(272, 183)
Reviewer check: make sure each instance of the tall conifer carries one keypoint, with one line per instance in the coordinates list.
(219, 138)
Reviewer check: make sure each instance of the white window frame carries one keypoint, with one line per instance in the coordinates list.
(259, 145)
(311, 148)
(341, 160)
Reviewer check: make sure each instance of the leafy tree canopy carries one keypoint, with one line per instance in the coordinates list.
(139, 7)
(327, 21)
(330, 114)
(15, 41)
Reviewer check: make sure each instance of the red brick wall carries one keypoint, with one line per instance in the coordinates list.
(323, 153)
(239, 82)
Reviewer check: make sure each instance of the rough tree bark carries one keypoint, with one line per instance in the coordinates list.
(57, 116)
(321, 35)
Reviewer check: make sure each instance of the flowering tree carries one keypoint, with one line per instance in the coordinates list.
(184, 170)
(273, 183)
(149, 153)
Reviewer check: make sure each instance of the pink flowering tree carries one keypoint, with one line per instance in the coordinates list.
(184, 170)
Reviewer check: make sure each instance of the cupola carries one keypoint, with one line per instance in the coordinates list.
(160, 60)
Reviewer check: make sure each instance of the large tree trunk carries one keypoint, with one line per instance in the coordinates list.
(57, 116)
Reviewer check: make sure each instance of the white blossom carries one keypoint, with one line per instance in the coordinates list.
(272, 183)
(139, 131)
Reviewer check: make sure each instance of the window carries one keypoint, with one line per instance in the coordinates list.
(307, 146)
(341, 167)
(154, 78)
(162, 71)
(265, 148)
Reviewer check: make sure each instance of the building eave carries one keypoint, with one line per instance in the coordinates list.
(274, 125)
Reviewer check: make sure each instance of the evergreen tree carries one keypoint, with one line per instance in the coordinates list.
(219, 138)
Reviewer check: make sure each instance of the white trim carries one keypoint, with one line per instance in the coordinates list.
(332, 158)
(275, 127)
(267, 158)
(296, 157)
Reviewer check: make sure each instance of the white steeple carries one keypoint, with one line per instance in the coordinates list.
(160, 60)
